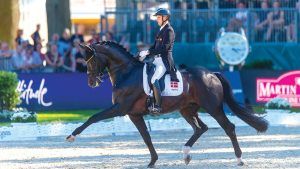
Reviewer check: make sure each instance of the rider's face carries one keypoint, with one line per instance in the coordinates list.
(159, 20)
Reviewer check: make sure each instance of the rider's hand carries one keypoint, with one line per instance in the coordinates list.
(144, 53)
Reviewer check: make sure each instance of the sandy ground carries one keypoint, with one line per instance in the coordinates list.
(279, 147)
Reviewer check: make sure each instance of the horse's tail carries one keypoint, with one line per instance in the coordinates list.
(259, 123)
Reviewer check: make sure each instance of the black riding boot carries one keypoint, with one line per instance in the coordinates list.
(156, 109)
(173, 76)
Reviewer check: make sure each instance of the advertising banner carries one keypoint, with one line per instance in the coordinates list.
(70, 91)
(62, 91)
(286, 86)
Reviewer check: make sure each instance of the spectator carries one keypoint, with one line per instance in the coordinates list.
(19, 39)
(276, 21)
(289, 21)
(54, 61)
(69, 62)
(80, 62)
(95, 37)
(28, 59)
(38, 58)
(240, 19)
(36, 36)
(18, 60)
(5, 57)
(64, 43)
(54, 39)
(5, 52)
(24, 45)
(77, 35)
(261, 21)
(39, 53)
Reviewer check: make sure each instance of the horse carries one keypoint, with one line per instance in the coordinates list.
(201, 89)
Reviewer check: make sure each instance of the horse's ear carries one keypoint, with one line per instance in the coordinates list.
(86, 47)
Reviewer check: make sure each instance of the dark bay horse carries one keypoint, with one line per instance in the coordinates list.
(201, 89)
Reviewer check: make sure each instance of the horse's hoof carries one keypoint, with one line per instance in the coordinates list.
(187, 159)
(70, 138)
(241, 163)
(151, 166)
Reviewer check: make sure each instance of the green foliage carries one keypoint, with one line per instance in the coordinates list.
(9, 97)
(260, 64)
(278, 103)
(24, 117)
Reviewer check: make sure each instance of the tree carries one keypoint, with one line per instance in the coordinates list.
(58, 16)
(9, 20)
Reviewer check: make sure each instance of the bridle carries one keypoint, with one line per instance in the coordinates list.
(100, 76)
(104, 75)
(90, 58)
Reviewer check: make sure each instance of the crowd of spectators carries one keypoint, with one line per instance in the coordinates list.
(62, 54)
(197, 21)
(269, 20)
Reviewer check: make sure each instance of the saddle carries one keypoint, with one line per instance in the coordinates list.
(168, 87)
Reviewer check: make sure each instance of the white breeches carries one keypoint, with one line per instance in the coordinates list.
(160, 69)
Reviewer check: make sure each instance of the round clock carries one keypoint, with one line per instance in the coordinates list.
(232, 48)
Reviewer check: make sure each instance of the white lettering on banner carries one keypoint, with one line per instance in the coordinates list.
(267, 89)
(27, 92)
(286, 86)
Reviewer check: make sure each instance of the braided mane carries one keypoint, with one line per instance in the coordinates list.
(116, 46)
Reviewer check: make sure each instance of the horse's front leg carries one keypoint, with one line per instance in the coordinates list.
(113, 111)
(140, 124)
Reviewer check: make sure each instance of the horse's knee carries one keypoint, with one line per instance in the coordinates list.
(204, 128)
(200, 130)
(230, 129)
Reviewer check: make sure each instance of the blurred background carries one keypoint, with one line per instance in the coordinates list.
(40, 39)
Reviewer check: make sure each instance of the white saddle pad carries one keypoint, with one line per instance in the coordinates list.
(171, 88)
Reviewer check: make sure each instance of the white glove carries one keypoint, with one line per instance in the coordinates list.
(143, 54)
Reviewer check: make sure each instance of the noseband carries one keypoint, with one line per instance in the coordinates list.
(100, 76)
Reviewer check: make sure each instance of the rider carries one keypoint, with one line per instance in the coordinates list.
(162, 53)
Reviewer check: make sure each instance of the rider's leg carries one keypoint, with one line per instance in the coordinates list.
(159, 72)
(157, 95)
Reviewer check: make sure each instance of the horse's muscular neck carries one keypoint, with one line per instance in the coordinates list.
(118, 68)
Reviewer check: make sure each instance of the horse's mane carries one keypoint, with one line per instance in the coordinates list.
(116, 45)
(121, 49)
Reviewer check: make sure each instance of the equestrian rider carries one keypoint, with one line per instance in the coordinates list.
(162, 53)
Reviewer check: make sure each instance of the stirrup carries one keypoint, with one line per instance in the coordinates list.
(155, 110)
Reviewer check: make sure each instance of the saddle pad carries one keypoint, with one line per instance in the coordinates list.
(171, 88)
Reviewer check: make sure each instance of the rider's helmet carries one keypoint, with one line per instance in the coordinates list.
(162, 12)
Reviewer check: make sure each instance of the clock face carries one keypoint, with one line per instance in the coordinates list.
(233, 48)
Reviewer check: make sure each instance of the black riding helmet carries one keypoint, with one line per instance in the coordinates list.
(163, 12)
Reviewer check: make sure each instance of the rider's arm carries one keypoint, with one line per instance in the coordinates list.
(167, 42)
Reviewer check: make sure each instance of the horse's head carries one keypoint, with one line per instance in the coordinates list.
(95, 65)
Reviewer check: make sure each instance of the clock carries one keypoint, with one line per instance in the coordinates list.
(232, 48)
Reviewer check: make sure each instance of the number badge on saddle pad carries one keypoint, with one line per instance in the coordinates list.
(171, 88)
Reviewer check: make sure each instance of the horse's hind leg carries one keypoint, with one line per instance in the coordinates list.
(191, 116)
(140, 124)
(229, 129)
